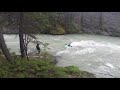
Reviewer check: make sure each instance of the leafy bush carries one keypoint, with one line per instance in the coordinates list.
(59, 30)
(1, 52)
(32, 68)
(38, 69)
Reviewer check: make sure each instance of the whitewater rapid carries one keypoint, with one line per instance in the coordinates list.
(89, 52)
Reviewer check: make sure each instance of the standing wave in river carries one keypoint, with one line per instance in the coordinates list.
(96, 57)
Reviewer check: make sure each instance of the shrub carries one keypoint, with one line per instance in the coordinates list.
(39, 69)
(59, 30)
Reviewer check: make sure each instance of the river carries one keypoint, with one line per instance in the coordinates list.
(93, 53)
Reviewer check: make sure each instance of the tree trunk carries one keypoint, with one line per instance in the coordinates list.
(26, 45)
(3, 46)
(22, 47)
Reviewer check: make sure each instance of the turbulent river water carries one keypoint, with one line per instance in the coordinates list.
(93, 53)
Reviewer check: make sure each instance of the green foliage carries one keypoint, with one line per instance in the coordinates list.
(1, 52)
(32, 68)
(43, 22)
(59, 30)
(72, 29)
(55, 22)
(74, 72)
(71, 70)
(13, 54)
(45, 56)
(36, 68)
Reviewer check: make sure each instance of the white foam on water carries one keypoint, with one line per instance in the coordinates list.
(13, 43)
(83, 43)
(88, 47)
(62, 52)
(89, 64)
(9, 37)
(103, 68)
(91, 43)
(110, 65)
(56, 39)
(76, 52)
(85, 51)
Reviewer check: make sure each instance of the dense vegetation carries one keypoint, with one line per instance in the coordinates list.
(105, 23)
(38, 68)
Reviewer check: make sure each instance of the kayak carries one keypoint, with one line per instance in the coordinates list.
(67, 46)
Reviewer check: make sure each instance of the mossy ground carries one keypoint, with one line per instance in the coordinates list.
(39, 68)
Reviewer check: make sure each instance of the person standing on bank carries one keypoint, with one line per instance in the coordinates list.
(38, 48)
